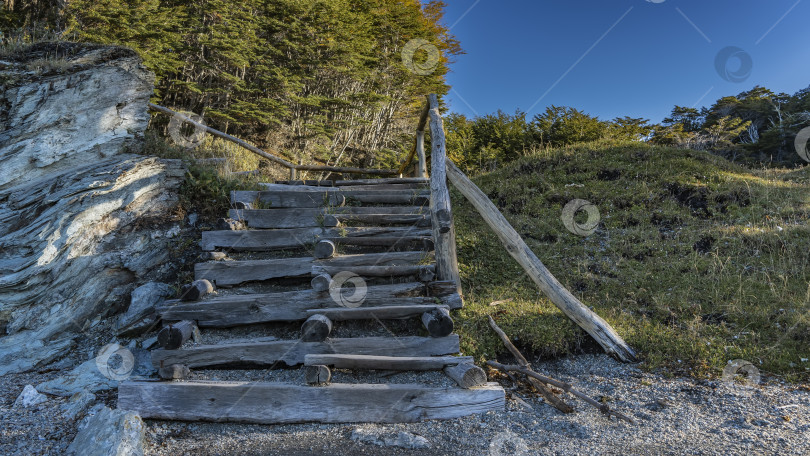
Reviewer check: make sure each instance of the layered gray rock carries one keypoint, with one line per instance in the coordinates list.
(82, 221)
(140, 316)
(107, 432)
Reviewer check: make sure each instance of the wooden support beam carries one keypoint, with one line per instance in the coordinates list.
(316, 328)
(317, 375)
(235, 310)
(174, 335)
(382, 313)
(292, 352)
(384, 219)
(592, 323)
(321, 282)
(324, 249)
(444, 233)
(269, 240)
(396, 363)
(413, 242)
(438, 322)
(424, 272)
(328, 196)
(276, 403)
(316, 217)
(195, 290)
(466, 375)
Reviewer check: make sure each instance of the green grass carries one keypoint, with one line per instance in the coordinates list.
(689, 263)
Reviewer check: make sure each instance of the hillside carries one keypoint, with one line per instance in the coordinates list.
(696, 261)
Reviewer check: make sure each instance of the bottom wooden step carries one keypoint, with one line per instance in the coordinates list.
(275, 403)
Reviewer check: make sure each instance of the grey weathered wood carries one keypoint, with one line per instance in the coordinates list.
(268, 240)
(314, 217)
(444, 233)
(174, 335)
(292, 352)
(317, 375)
(421, 168)
(236, 272)
(195, 290)
(321, 282)
(397, 363)
(425, 272)
(423, 242)
(234, 310)
(382, 313)
(324, 249)
(275, 403)
(592, 323)
(174, 372)
(329, 196)
(466, 375)
(384, 219)
(316, 328)
(384, 181)
(438, 322)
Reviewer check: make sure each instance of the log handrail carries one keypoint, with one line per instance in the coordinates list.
(592, 323)
(419, 145)
(276, 159)
(444, 233)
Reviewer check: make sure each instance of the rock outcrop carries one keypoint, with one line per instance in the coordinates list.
(83, 221)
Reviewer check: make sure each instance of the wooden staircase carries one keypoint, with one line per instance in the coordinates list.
(333, 255)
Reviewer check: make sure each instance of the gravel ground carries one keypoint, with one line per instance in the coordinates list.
(674, 416)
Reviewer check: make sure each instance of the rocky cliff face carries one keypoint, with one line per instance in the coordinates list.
(82, 220)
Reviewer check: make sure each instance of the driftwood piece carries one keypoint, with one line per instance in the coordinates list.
(592, 323)
(438, 322)
(604, 408)
(174, 372)
(174, 335)
(274, 403)
(317, 375)
(316, 328)
(395, 363)
(466, 375)
(324, 249)
(196, 290)
(547, 394)
(292, 352)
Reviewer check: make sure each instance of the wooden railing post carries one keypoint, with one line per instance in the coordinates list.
(421, 170)
(444, 233)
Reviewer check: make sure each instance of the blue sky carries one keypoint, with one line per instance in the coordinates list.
(622, 57)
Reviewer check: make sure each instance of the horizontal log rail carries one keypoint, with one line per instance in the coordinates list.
(275, 159)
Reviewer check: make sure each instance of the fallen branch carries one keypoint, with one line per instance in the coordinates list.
(547, 394)
(604, 408)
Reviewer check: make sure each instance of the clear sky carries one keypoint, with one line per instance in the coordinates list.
(623, 57)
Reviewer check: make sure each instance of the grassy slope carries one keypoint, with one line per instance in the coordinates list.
(746, 296)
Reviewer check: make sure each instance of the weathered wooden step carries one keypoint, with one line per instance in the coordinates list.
(292, 352)
(338, 183)
(398, 363)
(384, 219)
(366, 313)
(225, 273)
(413, 242)
(314, 217)
(275, 403)
(422, 272)
(235, 310)
(328, 196)
(267, 240)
